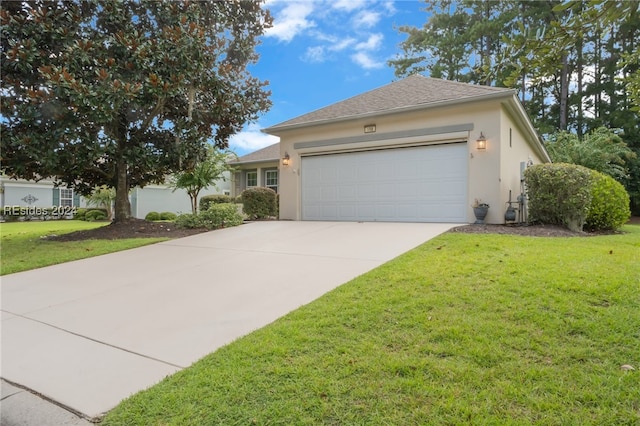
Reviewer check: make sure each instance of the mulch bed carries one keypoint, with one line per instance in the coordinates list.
(138, 228)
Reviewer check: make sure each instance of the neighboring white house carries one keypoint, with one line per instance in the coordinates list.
(416, 150)
(44, 194)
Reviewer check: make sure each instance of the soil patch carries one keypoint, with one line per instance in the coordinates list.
(133, 228)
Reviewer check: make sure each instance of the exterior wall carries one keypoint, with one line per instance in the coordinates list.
(515, 149)
(13, 191)
(484, 166)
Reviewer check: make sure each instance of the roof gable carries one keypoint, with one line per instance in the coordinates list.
(408, 93)
(269, 153)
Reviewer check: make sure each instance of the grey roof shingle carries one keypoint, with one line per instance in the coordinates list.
(407, 93)
(269, 153)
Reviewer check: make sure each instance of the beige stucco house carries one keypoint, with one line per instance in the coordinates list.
(416, 150)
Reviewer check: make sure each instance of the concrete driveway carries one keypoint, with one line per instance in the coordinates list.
(89, 333)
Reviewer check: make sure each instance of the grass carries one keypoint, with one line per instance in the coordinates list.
(466, 329)
(22, 248)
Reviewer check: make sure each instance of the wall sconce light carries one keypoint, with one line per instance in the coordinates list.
(286, 159)
(482, 142)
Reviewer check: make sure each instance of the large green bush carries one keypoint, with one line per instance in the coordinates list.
(559, 194)
(220, 216)
(260, 203)
(168, 216)
(609, 207)
(216, 216)
(208, 200)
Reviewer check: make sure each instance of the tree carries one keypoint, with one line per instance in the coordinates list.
(122, 94)
(103, 197)
(601, 150)
(205, 173)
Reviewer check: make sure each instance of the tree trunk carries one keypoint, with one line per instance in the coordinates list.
(123, 206)
(194, 202)
(564, 92)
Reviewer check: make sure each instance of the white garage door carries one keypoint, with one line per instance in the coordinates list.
(418, 184)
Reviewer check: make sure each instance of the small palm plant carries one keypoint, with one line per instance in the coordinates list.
(103, 197)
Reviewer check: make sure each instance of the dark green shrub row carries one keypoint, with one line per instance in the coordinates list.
(260, 203)
(574, 196)
(216, 216)
(207, 200)
(152, 216)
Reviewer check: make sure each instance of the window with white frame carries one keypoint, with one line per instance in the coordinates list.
(252, 179)
(66, 197)
(271, 179)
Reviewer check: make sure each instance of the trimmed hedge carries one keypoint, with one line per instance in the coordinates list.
(168, 216)
(260, 203)
(94, 215)
(208, 200)
(609, 208)
(575, 197)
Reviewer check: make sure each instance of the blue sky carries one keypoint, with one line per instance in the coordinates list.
(321, 52)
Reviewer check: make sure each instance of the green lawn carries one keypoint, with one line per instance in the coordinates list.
(21, 247)
(466, 329)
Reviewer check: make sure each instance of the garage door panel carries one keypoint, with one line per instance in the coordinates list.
(422, 184)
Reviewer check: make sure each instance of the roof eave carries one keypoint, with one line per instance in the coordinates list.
(241, 163)
(277, 129)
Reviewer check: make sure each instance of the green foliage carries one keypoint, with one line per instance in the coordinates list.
(205, 173)
(220, 216)
(216, 216)
(600, 150)
(80, 214)
(168, 216)
(102, 197)
(208, 200)
(559, 194)
(94, 215)
(188, 221)
(151, 216)
(260, 203)
(124, 94)
(609, 208)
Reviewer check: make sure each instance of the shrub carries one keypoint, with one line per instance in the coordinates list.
(220, 216)
(168, 216)
(259, 203)
(609, 208)
(188, 221)
(80, 214)
(208, 200)
(559, 194)
(151, 216)
(93, 215)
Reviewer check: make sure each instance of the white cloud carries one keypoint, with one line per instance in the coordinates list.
(366, 61)
(366, 19)
(315, 54)
(291, 20)
(373, 42)
(348, 5)
(251, 139)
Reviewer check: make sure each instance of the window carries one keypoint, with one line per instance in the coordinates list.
(271, 177)
(66, 197)
(252, 179)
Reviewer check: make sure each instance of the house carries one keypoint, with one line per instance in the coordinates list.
(415, 150)
(44, 194)
(259, 168)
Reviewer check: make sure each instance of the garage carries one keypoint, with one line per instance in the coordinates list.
(413, 184)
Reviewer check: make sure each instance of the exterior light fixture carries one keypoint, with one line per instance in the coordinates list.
(482, 142)
(286, 159)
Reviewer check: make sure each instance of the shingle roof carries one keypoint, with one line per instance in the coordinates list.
(269, 153)
(410, 92)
